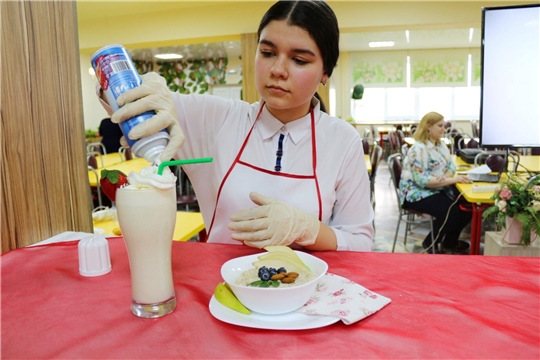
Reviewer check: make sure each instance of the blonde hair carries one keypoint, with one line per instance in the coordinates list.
(421, 133)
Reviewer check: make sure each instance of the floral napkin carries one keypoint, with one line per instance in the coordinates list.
(343, 298)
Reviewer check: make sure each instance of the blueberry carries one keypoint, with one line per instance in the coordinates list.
(262, 269)
(265, 276)
(281, 269)
(273, 271)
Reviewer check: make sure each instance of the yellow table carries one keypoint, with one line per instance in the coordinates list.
(479, 197)
(188, 224)
(475, 197)
(529, 162)
(368, 163)
(479, 201)
(125, 166)
(461, 165)
(108, 159)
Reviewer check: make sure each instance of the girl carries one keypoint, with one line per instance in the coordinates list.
(284, 172)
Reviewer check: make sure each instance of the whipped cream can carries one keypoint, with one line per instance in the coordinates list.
(117, 74)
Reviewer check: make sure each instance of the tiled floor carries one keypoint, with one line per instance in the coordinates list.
(386, 218)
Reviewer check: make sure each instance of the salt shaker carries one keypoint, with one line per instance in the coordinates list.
(94, 257)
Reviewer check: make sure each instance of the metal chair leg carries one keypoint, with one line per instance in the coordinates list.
(395, 235)
(433, 245)
(407, 228)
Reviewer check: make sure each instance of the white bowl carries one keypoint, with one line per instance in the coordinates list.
(272, 300)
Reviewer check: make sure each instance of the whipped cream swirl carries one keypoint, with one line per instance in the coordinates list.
(149, 178)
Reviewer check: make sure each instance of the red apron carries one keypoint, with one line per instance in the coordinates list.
(300, 191)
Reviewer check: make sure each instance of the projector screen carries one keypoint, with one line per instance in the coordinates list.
(510, 80)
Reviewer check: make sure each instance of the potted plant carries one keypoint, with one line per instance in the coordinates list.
(517, 207)
(92, 136)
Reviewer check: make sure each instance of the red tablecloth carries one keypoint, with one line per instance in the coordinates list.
(442, 307)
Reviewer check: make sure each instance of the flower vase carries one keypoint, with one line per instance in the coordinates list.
(511, 233)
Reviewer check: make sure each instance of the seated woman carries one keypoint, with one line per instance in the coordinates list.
(426, 180)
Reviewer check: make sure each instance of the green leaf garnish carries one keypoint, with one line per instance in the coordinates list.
(112, 175)
(265, 284)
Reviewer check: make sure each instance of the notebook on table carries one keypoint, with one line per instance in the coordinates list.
(491, 178)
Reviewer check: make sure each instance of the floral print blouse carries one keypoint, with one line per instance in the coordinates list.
(421, 163)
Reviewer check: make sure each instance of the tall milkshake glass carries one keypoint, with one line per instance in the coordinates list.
(147, 217)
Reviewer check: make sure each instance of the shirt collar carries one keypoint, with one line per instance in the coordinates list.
(431, 146)
(297, 129)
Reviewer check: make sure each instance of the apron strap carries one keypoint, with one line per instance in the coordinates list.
(237, 160)
(314, 161)
(231, 168)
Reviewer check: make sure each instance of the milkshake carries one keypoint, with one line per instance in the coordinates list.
(146, 211)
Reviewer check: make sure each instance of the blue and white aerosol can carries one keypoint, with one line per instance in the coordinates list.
(117, 74)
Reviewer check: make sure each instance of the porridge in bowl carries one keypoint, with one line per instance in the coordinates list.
(240, 272)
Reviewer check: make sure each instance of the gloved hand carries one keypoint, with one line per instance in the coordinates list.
(152, 94)
(273, 223)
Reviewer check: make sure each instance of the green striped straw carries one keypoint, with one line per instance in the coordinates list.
(182, 162)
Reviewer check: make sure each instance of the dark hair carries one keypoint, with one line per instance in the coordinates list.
(315, 17)
(321, 103)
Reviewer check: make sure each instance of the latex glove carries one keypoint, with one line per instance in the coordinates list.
(274, 222)
(152, 94)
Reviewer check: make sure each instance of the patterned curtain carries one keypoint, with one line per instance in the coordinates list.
(476, 67)
(439, 68)
(379, 69)
(429, 68)
(143, 60)
(202, 65)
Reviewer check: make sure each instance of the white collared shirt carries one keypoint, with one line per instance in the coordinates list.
(216, 127)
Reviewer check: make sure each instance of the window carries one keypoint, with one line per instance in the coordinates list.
(435, 99)
(400, 103)
(467, 103)
(452, 99)
(378, 104)
(372, 106)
